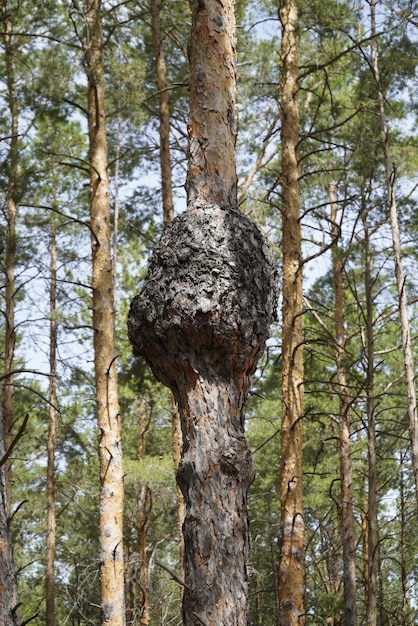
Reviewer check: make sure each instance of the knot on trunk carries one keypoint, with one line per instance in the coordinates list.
(208, 300)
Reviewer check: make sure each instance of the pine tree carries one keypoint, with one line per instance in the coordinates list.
(108, 415)
(201, 321)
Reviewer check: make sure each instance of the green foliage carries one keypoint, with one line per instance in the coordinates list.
(340, 144)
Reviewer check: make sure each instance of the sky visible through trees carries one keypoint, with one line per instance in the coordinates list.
(356, 146)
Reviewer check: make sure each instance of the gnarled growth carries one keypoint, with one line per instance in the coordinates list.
(201, 323)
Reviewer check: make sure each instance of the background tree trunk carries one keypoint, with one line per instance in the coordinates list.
(396, 242)
(8, 583)
(168, 216)
(50, 478)
(344, 399)
(372, 519)
(108, 418)
(8, 390)
(164, 113)
(291, 578)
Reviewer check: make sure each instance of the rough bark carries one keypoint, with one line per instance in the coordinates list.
(344, 443)
(212, 177)
(110, 453)
(201, 322)
(50, 475)
(397, 255)
(291, 577)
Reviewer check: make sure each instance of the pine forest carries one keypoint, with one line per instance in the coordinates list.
(209, 304)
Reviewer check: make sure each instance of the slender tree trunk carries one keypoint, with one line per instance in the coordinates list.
(201, 321)
(168, 216)
(400, 277)
(346, 474)
(372, 518)
(143, 497)
(291, 576)
(8, 392)
(8, 584)
(164, 112)
(108, 417)
(50, 476)
(116, 211)
(402, 521)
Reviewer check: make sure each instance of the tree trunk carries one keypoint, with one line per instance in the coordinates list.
(108, 418)
(164, 113)
(50, 477)
(400, 277)
(212, 177)
(8, 391)
(8, 583)
(346, 474)
(143, 496)
(372, 518)
(168, 216)
(201, 322)
(402, 560)
(291, 576)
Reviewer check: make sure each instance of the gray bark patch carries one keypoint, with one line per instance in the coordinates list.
(208, 299)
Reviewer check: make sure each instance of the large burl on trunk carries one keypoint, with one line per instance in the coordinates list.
(201, 322)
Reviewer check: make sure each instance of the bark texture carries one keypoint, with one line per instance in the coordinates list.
(291, 575)
(110, 452)
(212, 177)
(201, 322)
